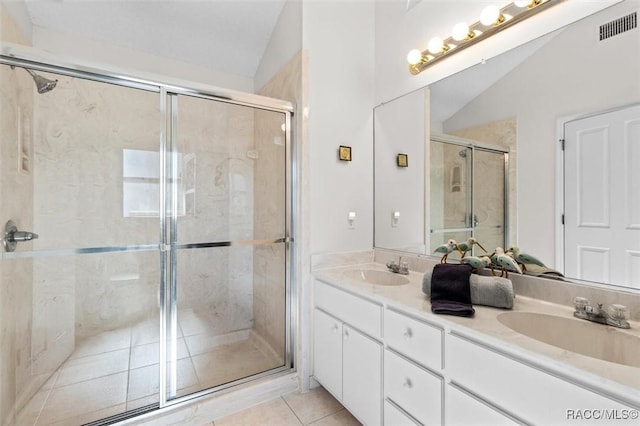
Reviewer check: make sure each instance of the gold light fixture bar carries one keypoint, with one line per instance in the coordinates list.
(506, 17)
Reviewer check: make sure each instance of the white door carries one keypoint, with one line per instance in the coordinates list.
(602, 197)
(327, 352)
(362, 376)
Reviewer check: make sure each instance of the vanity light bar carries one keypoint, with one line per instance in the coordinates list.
(492, 21)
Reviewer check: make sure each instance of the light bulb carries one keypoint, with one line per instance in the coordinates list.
(490, 15)
(414, 57)
(522, 3)
(435, 45)
(460, 31)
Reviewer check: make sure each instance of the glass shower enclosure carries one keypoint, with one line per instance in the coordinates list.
(147, 249)
(469, 193)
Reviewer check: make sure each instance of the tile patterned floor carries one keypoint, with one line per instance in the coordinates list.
(316, 407)
(122, 367)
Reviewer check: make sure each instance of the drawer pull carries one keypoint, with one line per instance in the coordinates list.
(408, 334)
(335, 328)
(408, 384)
(346, 335)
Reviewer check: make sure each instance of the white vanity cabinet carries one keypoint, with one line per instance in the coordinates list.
(394, 366)
(348, 362)
(524, 392)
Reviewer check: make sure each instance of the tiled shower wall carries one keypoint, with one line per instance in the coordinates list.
(16, 294)
(269, 272)
(217, 284)
(80, 131)
(502, 133)
(16, 290)
(83, 128)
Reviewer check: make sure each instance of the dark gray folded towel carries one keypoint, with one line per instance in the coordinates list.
(485, 290)
(450, 291)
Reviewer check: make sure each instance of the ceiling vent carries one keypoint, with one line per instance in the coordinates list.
(618, 26)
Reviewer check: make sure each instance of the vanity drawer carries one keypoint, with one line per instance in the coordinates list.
(523, 391)
(393, 416)
(415, 339)
(362, 314)
(463, 409)
(414, 389)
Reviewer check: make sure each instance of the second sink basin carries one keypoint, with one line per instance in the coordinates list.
(575, 335)
(376, 277)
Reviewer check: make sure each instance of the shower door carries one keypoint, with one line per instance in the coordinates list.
(157, 259)
(227, 317)
(79, 310)
(451, 194)
(489, 218)
(468, 195)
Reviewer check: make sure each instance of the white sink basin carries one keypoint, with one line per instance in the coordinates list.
(372, 276)
(576, 335)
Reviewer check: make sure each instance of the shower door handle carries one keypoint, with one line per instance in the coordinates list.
(12, 236)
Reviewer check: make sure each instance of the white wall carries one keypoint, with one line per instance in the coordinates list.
(400, 128)
(595, 76)
(397, 31)
(339, 39)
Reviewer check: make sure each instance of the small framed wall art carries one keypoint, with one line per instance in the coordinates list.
(344, 153)
(402, 160)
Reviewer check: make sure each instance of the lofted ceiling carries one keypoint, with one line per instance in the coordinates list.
(451, 94)
(225, 35)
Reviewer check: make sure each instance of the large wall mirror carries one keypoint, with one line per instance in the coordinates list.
(568, 85)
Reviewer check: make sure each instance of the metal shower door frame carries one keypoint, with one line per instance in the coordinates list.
(22, 56)
(475, 146)
(171, 246)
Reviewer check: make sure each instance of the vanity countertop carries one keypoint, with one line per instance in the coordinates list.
(616, 380)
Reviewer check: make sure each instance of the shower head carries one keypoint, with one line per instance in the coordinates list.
(43, 84)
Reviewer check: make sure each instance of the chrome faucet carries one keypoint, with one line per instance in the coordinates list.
(615, 316)
(398, 268)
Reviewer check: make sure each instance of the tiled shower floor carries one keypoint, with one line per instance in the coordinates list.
(118, 371)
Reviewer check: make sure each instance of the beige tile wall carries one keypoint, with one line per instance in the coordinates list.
(80, 131)
(218, 283)
(504, 134)
(269, 214)
(17, 92)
